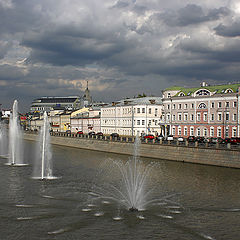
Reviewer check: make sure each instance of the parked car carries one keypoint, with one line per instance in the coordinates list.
(215, 140)
(68, 131)
(235, 140)
(92, 133)
(170, 138)
(200, 139)
(100, 134)
(206, 140)
(180, 139)
(114, 135)
(80, 132)
(191, 139)
(160, 137)
(149, 136)
(226, 140)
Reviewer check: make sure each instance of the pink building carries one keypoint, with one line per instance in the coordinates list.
(86, 121)
(209, 111)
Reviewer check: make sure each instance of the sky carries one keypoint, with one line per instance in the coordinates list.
(121, 47)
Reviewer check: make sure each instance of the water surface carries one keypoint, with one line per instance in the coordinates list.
(204, 203)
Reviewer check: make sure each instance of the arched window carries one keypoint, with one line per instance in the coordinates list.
(202, 92)
(202, 106)
(229, 90)
(181, 94)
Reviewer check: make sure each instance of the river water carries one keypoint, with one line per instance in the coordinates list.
(204, 203)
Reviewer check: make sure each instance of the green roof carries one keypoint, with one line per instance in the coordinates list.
(213, 88)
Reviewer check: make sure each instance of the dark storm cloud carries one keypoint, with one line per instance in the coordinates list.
(65, 46)
(10, 73)
(192, 14)
(120, 46)
(232, 30)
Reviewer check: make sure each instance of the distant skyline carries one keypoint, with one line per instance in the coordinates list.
(121, 47)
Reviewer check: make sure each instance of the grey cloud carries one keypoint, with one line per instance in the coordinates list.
(10, 73)
(62, 49)
(192, 14)
(120, 4)
(232, 30)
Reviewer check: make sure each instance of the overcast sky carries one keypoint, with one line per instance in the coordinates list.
(125, 47)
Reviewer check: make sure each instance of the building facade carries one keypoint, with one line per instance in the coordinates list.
(87, 120)
(132, 116)
(209, 111)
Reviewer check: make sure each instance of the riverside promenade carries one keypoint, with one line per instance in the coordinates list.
(228, 156)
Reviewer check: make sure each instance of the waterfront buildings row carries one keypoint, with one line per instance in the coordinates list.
(209, 111)
(126, 117)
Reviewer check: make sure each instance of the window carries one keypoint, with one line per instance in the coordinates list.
(212, 105)
(234, 132)
(202, 106)
(191, 131)
(192, 117)
(174, 106)
(205, 117)
(179, 106)
(205, 132)
(143, 122)
(227, 132)
(220, 104)
(168, 106)
(173, 131)
(149, 110)
(149, 122)
(234, 117)
(179, 131)
(212, 131)
(219, 132)
(138, 122)
(168, 95)
(138, 110)
(181, 94)
(227, 116)
(234, 104)
(219, 116)
(185, 106)
(156, 111)
(174, 117)
(168, 117)
(179, 117)
(143, 110)
(185, 131)
(198, 132)
(192, 105)
(185, 116)
(202, 92)
(198, 117)
(227, 104)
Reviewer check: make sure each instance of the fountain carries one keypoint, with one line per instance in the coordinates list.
(15, 139)
(132, 188)
(43, 160)
(3, 141)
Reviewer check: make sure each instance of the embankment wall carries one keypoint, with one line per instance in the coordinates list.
(216, 157)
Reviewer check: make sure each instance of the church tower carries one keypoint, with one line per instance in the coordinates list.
(87, 97)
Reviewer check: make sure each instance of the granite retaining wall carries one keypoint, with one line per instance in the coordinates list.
(217, 157)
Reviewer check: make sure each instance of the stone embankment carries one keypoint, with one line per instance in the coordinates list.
(226, 157)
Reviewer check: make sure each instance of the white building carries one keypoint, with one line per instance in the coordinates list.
(132, 116)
